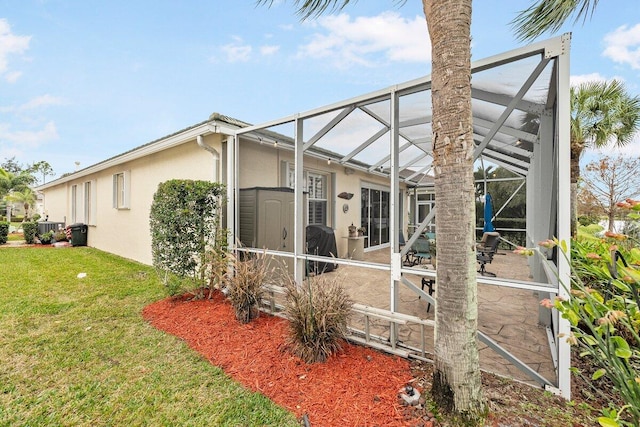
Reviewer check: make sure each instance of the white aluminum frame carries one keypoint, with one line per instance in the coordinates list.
(540, 166)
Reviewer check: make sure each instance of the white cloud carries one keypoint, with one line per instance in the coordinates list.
(362, 40)
(38, 102)
(237, 50)
(269, 50)
(29, 138)
(10, 44)
(623, 46)
(584, 78)
(12, 76)
(41, 101)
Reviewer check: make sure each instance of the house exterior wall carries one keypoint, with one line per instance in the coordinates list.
(263, 165)
(126, 231)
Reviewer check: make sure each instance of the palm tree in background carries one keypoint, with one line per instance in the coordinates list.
(14, 181)
(602, 113)
(457, 385)
(27, 197)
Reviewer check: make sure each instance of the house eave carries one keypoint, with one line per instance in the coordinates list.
(189, 134)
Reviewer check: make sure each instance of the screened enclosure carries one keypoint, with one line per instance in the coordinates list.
(363, 168)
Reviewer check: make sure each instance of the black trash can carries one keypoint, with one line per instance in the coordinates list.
(78, 233)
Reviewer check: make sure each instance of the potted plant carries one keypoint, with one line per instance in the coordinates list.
(46, 238)
(60, 236)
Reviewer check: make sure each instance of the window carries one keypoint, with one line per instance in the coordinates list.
(74, 203)
(83, 204)
(90, 201)
(317, 198)
(121, 190)
(375, 214)
(315, 185)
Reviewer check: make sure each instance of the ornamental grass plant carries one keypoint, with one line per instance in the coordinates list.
(318, 311)
(243, 284)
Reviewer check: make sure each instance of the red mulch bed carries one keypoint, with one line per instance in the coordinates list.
(358, 387)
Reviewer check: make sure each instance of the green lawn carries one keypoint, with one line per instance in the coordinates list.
(77, 351)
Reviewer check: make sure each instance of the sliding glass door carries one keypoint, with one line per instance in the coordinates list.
(375, 215)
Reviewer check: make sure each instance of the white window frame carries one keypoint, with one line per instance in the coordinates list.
(90, 200)
(122, 190)
(310, 179)
(74, 203)
(313, 180)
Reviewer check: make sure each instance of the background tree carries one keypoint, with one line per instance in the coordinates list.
(25, 196)
(10, 165)
(41, 168)
(588, 210)
(456, 386)
(11, 181)
(612, 180)
(601, 112)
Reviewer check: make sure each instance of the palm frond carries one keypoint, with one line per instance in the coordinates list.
(313, 8)
(603, 112)
(548, 16)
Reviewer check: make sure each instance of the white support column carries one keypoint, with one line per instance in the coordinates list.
(394, 211)
(564, 206)
(298, 244)
(542, 202)
(232, 189)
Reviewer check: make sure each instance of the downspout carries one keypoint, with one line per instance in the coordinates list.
(216, 156)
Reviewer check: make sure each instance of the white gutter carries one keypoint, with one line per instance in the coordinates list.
(216, 157)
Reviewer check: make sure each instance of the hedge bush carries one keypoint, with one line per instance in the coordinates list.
(4, 232)
(184, 223)
(30, 229)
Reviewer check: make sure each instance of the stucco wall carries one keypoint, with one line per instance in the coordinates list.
(126, 231)
(261, 165)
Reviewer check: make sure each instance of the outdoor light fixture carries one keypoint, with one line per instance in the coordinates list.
(345, 195)
(328, 161)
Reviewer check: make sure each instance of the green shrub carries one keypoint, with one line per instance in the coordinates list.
(318, 311)
(244, 284)
(604, 314)
(605, 322)
(46, 237)
(184, 224)
(4, 232)
(60, 236)
(586, 220)
(29, 229)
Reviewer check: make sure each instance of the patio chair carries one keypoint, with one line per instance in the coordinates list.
(409, 258)
(422, 250)
(430, 283)
(486, 249)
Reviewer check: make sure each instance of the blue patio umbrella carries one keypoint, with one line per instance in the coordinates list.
(488, 214)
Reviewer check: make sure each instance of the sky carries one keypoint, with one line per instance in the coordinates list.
(82, 81)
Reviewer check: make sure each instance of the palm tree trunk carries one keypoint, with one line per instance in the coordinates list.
(456, 386)
(576, 153)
